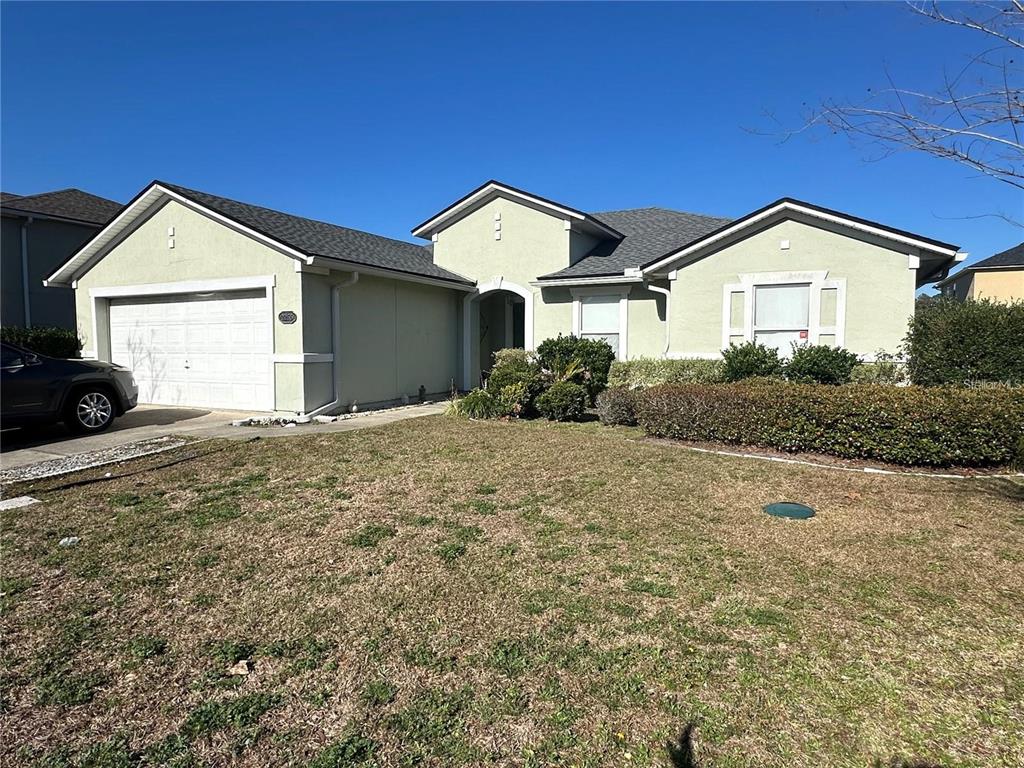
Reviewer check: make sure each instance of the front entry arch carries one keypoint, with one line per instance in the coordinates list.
(472, 364)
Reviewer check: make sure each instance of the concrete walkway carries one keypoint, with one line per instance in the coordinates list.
(22, 448)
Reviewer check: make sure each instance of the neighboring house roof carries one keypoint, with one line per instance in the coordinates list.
(1011, 258)
(71, 204)
(308, 237)
(649, 232)
(493, 189)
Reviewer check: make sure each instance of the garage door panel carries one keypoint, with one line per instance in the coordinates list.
(210, 350)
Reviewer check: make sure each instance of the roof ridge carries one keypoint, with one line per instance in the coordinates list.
(663, 208)
(291, 215)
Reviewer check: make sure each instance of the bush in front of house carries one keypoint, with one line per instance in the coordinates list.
(965, 342)
(616, 406)
(476, 404)
(914, 426)
(886, 369)
(563, 401)
(651, 371)
(820, 364)
(516, 367)
(593, 356)
(751, 360)
(45, 340)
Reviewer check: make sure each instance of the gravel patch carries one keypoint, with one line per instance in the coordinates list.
(82, 461)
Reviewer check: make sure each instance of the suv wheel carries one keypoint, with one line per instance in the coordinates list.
(90, 410)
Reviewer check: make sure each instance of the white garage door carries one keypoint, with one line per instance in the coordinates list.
(205, 350)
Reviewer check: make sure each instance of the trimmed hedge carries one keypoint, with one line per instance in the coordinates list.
(900, 425)
(751, 360)
(821, 364)
(963, 342)
(650, 372)
(617, 406)
(45, 340)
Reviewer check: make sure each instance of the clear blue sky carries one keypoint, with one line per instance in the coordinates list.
(376, 116)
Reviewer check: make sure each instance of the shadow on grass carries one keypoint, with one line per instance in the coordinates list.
(680, 752)
(680, 755)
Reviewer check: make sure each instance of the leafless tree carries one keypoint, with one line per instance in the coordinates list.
(975, 118)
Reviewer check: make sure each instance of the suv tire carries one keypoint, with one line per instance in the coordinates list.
(90, 410)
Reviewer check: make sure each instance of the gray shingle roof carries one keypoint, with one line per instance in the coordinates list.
(319, 238)
(64, 203)
(1012, 257)
(650, 233)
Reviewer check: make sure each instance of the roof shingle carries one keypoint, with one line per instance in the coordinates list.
(71, 204)
(319, 238)
(1011, 257)
(649, 233)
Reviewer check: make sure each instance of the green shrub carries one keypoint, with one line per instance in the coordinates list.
(477, 404)
(617, 406)
(821, 364)
(650, 372)
(563, 401)
(516, 367)
(885, 370)
(961, 342)
(750, 359)
(514, 400)
(941, 426)
(594, 356)
(52, 342)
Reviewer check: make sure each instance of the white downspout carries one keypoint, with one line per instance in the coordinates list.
(24, 271)
(304, 418)
(667, 293)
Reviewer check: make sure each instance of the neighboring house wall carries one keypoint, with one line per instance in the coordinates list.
(998, 285)
(960, 288)
(203, 250)
(50, 243)
(875, 284)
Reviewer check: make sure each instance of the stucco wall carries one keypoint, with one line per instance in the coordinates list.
(879, 285)
(998, 285)
(50, 244)
(646, 323)
(532, 244)
(203, 250)
(396, 336)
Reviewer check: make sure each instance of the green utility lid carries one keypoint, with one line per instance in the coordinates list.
(789, 509)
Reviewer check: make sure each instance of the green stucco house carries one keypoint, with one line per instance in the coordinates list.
(220, 304)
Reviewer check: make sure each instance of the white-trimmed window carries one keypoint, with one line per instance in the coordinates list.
(599, 319)
(782, 315)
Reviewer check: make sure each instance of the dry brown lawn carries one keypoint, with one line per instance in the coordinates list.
(445, 592)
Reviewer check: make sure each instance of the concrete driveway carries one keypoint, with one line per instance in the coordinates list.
(21, 448)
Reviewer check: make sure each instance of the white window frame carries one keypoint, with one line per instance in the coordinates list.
(816, 280)
(622, 292)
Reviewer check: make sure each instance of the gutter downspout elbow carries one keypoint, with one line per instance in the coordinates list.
(667, 293)
(305, 418)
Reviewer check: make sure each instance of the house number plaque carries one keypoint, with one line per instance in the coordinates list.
(287, 317)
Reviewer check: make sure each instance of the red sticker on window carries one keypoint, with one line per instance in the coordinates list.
(803, 334)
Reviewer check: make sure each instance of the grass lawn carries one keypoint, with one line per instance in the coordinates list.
(448, 593)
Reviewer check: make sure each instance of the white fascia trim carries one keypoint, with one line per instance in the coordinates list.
(585, 281)
(185, 286)
(351, 266)
(305, 357)
(787, 206)
(485, 192)
(95, 249)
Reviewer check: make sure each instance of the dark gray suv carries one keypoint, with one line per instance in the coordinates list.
(85, 394)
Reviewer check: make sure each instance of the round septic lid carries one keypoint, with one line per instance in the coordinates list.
(789, 509)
